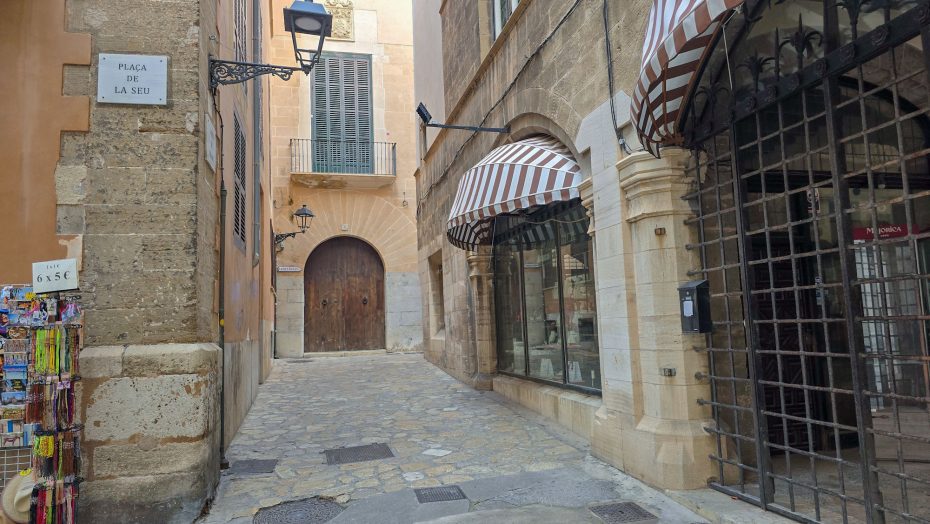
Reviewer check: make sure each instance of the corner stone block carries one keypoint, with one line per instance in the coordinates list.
(170, 359)
(102, 362)
(172, 498)
(169, 406)
(151, 457)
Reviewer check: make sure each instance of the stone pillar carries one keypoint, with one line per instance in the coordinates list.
(289, 324)
(586, 192)
(481, 275)
(668, 446)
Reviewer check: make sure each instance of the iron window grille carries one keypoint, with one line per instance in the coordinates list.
(811, 198)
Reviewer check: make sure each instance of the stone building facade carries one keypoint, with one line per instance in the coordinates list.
(343, 143)
(765, 159)
(129, 191)
(544, 71)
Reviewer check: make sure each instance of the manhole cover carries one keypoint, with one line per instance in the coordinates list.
(252, 466)
(304, 511)
(440, 494)
(624, 512)
(358, 453)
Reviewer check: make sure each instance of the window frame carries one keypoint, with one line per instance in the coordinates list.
(498, 21)
(314, 122)
(550, 212)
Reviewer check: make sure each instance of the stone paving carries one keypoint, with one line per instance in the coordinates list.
(440, 430)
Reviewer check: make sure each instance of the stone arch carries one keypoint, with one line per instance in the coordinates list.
(354, 237)
(528, 124)
(542, 102)
(375, 219)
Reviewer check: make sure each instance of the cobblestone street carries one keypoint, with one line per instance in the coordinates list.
(441, 432)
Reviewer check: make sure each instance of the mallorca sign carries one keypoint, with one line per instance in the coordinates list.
(132, 79)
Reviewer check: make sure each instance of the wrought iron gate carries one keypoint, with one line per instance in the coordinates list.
(811, 138)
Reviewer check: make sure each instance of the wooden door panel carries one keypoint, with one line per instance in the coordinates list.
(344, 290)
(324, 329)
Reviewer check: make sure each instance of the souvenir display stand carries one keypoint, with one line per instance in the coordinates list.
(41, 337)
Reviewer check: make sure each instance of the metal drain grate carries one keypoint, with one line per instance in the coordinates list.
(252, 467)
(305, 511)
(624, 512)
(439, 494)
(358, 453)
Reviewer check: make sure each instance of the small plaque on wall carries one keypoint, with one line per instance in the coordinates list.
(210, 141)
(288, 269)
(132, 79)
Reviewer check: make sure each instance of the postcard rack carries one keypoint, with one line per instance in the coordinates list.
(41, 337)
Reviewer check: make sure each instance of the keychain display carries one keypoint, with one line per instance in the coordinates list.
(41, 337)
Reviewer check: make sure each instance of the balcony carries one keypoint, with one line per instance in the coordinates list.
(339, 164)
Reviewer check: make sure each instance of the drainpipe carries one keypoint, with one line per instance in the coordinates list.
(224, 464)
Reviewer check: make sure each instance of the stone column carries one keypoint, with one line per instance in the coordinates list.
(586, 192)
(668, 446)
(481, 275)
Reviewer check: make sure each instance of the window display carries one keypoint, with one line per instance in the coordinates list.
(544, 295)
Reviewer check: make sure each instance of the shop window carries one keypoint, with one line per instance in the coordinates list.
(502, 11)
(545, 297)
(437, 312)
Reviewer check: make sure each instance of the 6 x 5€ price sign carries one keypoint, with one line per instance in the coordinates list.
(55, 275)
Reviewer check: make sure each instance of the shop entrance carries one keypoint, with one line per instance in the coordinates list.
(811, 140)
(344, 297)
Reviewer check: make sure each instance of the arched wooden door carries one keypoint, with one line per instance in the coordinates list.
(344, 297)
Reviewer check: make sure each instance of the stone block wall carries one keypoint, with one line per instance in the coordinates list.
(150, 415)
(403, 311)
(134, 181)
(547, 73)
(289, 324)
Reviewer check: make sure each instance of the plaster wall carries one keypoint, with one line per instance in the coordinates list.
(37, 52)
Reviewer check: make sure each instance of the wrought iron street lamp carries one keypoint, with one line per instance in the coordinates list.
(303, 216)
(303, 17)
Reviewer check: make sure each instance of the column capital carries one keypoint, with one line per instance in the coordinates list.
(654, 186)
(480, 263)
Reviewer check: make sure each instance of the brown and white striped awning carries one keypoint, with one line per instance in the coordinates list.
(677, 40)
(522, 175)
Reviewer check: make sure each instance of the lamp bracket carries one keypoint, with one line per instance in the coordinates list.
(279, 238)
(228, 72)
(471, 128)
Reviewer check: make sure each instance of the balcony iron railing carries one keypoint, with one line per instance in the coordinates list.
(351, 157)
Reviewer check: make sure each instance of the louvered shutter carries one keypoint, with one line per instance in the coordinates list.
(342, 119)
(239, 205)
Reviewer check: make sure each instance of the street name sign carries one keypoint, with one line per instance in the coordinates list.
(132, 79)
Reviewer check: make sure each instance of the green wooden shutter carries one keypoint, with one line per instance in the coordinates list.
(342, 119)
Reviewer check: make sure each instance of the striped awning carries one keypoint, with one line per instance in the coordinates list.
(677, 40)
(519, 176)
